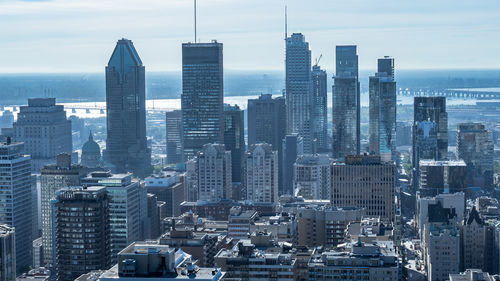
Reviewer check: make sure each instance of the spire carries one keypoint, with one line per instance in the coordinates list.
(91, 137)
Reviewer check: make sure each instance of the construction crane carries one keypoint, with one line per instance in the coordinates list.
(316, 61)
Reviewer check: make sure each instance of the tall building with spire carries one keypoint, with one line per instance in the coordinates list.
(383, 110)
(346, 103)
(126, 145)
(202, 96)
(299, 89)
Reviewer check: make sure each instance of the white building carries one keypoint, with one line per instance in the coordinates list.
(312, 177)
(442, 251)
(454, 201)
(261, 173)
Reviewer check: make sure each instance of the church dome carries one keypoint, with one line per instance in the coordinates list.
(91, 146)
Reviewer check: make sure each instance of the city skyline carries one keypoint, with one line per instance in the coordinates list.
(45, 35)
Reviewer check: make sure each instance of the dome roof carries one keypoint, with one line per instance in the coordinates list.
(91, 146)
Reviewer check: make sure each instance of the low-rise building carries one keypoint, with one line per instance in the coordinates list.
(239, 222)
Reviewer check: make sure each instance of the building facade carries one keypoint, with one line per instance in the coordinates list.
(319, 109)
(234, 138)
(126, 144)
(7, 253)
(202, 95)
(293, 147)
(175, 152)
(438, 177)
(346, 103)
(261, 173)
(312, 177)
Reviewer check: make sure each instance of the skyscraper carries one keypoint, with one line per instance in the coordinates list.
(383, 110)
(299, 89)
(261, 173)
(202, 95)
(43, 128)
(7, 253)
(437, 177)
(293, 147)
(266, 120)
(174, 137)
(475, 147)
(126, 144)
(16, 198)
(83, 245)
(54, 177)
(346, 103)
(319, 109)
(234, 138)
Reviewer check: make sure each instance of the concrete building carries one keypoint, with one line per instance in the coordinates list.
(359, 261)
(82, 246)
(473, 275)
(127, 207)
(7, 253)
(299, 89)
(324, 226)
(169, 188)
(383, 110)
(211, 170)
(473, 234)
(312, 178)
(364, 181)
(319, 109)
(293, 147)
(45, 131)
(234, 138)
(175, 151)
(38, 253)
(239, 222)
(91, 154)
(202, 96)
(438, 177)
(16, 210)
(53, 178)
(475, 147)
(150, 261)
(428, 208)
(261, 174)
(126, 144)
(346, 103)
(442, 251)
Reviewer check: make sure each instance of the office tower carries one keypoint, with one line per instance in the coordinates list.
(54, 177)
(234, 138)
(213, 173)
(312, 177)
(82, 245)
(319, 109)
(404, 133)
(7, 119)
(299, 89)
(475, 147)
(202, 95)
(442, 251)
(16, 195)
(346, 103)
(438, 177)
(293, 147)
(127, 205)
(168, 186)
(38, 253)
(43, 128)
(174, 137)
(91, 153)
(383, 110)
(126, 144)
(364, 181)
(191, 181)
(261, 173)
(7, 253)
(153, 221)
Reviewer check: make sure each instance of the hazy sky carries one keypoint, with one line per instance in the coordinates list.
(79, 35)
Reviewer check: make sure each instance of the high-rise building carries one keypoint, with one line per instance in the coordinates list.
(234, 138)
(475, 147)
(261, 173)
(312, 177)
(473, 233)
(174, 137)
(383, 110)
(438, 177)
(169, 188)
(202, 95)
(16, 197)
(91, 153)
(54, 177)
(319, 109)
(430, 109)
(212, 173)
(126, 144)
(45, 131)
(7, 253)
(127, 208)
(299, 89)
(346, 103)
(82, 231)
(364, 181)
(293, 147)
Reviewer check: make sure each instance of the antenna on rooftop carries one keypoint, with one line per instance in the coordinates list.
(195, 35)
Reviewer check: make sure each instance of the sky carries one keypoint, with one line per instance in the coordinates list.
(79, 35)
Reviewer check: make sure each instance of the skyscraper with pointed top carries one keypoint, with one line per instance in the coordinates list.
(126, 145)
